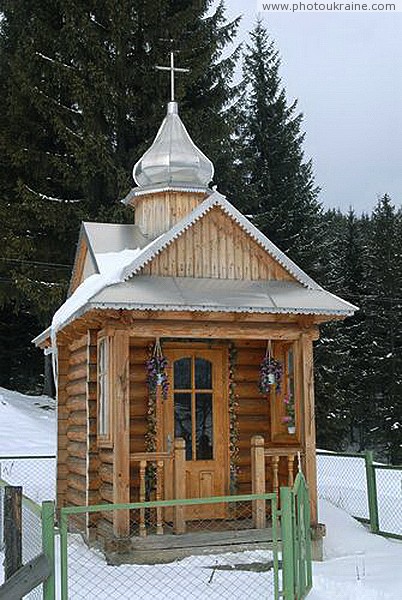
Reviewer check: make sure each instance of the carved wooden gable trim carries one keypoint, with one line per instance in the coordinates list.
(216, 246)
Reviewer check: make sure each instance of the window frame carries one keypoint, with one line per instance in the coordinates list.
(104, 404)
(279, 431)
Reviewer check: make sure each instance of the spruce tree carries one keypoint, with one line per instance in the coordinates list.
(82, 101)
(277, 183)
(384, 309)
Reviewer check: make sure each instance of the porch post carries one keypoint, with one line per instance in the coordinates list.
(120, 391)
(308, 422)
(179, 484)
(258, 480)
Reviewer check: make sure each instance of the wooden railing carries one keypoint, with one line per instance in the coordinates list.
(158, 461)
(259, 455)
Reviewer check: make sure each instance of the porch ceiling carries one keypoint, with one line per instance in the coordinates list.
(219, 295)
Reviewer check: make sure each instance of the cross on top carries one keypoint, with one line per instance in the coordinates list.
(172, 70)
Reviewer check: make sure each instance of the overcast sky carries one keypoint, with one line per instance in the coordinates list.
(346, 71)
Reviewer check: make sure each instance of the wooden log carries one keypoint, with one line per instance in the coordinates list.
(179, 484)
(76, 373)
(12, 530)
(26, 579)
(78, 345)
(159, 496)
(308, 422)
(76, 403)
(78, 358)
(213, 330)
(77, 450)
(77, 388)
(258, 480)
(121, 430)
(77, 434)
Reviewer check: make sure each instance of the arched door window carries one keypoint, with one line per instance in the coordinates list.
(193, 406)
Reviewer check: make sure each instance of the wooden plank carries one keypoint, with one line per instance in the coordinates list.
(179, 484)
(121, 430)
(12, 530)
(258, 480)
(308, 424)
(27, 578)
(213, 330)
(199, 539)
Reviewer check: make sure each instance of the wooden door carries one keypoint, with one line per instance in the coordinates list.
(197, 410)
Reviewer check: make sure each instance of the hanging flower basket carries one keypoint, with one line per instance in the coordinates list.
(156, 366)
(156, 372)
(289, 418)
(271, 371)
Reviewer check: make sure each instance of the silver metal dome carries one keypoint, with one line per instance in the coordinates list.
(173, 158)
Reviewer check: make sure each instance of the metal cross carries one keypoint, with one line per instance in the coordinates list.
(172, 70)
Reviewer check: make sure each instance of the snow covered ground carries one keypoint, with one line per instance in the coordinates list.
(28, 428)
(357, 565)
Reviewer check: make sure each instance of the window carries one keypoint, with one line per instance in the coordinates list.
(193, 406)
(103, 390)
(284, 352)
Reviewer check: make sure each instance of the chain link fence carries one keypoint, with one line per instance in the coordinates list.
(388, 481)
(36, 474)
(214, 558)
(341, 479)
(366, 490)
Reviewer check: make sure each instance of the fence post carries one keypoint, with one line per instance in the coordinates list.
(288, 566)
(371, 491)
(48, 548)
(179, 483)
(63, 528)
(12, 530)
(258, 479)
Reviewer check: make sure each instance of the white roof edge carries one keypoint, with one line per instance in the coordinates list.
(42, 337)
(219, 308)
(142, 191)
(217, 199)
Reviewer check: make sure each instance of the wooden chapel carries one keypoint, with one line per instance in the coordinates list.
(193, 287)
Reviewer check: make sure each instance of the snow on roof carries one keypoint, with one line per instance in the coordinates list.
(111, 266)
(107, 237)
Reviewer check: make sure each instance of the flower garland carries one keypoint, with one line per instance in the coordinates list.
(271, 372)
(156, 375)
(233, 421)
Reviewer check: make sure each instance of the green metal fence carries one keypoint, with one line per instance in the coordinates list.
(223, 558)
(296, 540)
(368, 491)
(387, 501)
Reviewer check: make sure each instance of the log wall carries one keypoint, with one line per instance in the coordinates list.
(253, 409)
(76, 492)
(139, 351)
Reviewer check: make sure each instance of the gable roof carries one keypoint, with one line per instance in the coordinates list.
(217, 199)
(119, 252)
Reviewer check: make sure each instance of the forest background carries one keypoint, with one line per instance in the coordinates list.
(81, 102)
